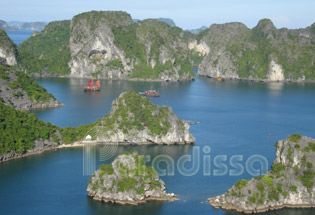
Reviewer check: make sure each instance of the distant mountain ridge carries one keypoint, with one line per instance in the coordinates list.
(197, 30)
(17, 25)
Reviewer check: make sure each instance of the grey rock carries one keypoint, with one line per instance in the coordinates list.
(110, 186)
(285, 189)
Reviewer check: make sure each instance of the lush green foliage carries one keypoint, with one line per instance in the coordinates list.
(6, 43)
(73, 134)
(47, 52)
(256, 49)
(19, 130)
(277, 168)
(106, 169)
(129, 38)
(241, 183)
(133, 111)
(34, 91)
(115, 64)
(295, 137)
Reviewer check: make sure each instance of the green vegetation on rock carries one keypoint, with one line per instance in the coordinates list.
(19, 130)
(48, 52)
(132, 111)
(136, 183)
(248, 53)
(6, 43)
(34, 91)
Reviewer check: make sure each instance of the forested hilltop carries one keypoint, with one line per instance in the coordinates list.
(108, 44)
(261, 53)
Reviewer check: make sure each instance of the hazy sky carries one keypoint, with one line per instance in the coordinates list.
(186, 13)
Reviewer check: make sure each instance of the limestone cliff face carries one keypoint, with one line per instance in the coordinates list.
(135, 120)
(17, 88)
(127, 181)
(218, 62)
(109, 45)
(275, 72)
(263, 53)
(8, 50)
(92, 45)
(288, 184)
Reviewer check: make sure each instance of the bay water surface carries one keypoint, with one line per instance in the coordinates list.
(241, 119)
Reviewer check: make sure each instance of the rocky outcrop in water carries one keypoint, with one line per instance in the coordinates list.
(290, 183)
(21, 92)
(127, 181)
(8, 50)
(133, 119)
(263, 53)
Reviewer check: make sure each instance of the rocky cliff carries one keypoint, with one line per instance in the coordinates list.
(109, 45)
(127, 181)
(133, 119)
(290, 183)
(8, 50)
(263, 53)
(21, 92)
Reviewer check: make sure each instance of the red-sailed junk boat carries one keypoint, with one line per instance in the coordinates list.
(91, 87)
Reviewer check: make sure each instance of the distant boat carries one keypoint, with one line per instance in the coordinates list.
(91, 87)
(150, 93)
(219, 79)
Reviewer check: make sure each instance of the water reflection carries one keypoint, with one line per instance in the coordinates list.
(275, 88)
(97, 207)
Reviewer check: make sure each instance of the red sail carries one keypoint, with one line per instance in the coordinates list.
(90, 84)
(98, 84)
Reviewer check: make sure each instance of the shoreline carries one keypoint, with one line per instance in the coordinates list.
(217, 205)
(167, 197)
(43, 107)
(81, 144)
(32, 75)
(262, 80)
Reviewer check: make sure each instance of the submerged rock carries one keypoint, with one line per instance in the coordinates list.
(127, 181)
(290, 183)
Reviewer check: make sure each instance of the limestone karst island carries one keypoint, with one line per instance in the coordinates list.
(156, 108)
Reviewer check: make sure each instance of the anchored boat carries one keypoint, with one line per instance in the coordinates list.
(92, 87)
(150, 93)
(219, 79)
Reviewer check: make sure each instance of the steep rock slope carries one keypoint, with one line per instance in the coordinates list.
(127, 181)
(290, 183)
(261, 53)
(109, 45)
(8, 50)
(133, 119)
(23, 93)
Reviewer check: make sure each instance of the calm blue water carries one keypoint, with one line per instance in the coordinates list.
(236, 118)
(19, 36)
